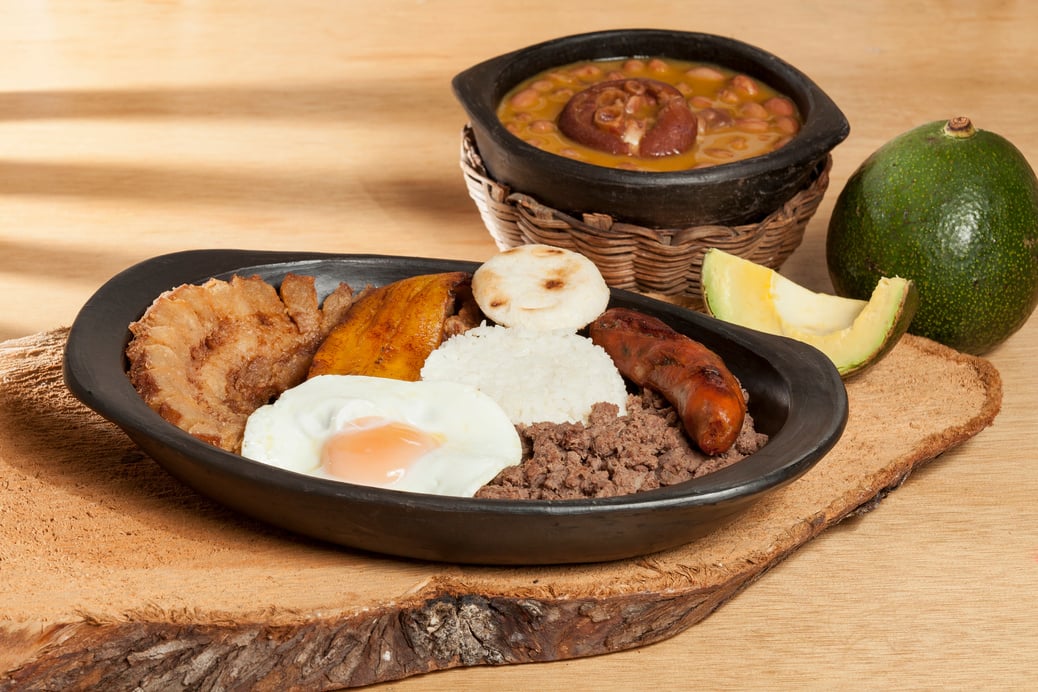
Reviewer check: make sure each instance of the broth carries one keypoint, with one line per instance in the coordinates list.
(738, 117)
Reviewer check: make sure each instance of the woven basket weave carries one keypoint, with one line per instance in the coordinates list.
(648, 260)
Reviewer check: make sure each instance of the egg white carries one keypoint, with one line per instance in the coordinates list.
(478, 439)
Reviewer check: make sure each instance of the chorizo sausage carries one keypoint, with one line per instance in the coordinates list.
(636, 117)
(694, 379)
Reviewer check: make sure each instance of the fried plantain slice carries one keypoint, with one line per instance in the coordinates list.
(391, 330)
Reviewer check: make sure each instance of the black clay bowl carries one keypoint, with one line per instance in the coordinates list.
(797, 398)
(729, 194)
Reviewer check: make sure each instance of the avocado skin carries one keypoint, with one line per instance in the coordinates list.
(958, 216)
(901, 325)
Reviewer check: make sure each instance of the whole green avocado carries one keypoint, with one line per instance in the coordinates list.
(955, 209)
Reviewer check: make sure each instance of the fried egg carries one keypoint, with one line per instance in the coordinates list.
(442, 438)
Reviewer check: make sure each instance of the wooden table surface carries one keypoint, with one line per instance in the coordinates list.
(133, 129)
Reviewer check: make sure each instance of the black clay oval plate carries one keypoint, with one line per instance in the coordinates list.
(796, 397)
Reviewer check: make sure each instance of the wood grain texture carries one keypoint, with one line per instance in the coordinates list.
(114, 591)
(132, 129)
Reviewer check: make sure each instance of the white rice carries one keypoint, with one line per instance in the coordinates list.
(534, 376)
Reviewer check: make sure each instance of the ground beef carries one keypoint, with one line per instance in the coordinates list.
(611, 454)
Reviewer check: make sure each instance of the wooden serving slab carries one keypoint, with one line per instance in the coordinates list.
(115, 576)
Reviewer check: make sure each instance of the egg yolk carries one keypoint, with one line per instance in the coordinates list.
(375, 451)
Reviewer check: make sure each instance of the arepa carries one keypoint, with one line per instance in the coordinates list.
(540, 287)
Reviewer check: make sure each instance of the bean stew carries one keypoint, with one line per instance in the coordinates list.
(651, 114)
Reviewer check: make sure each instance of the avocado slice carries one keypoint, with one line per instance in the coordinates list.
(854, 334)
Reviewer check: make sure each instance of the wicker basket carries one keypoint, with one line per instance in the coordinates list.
(649, 260)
